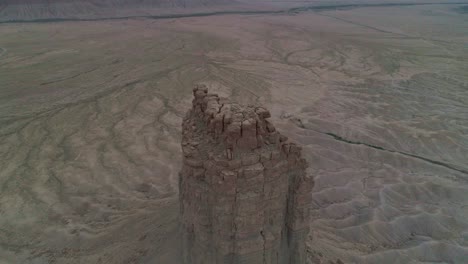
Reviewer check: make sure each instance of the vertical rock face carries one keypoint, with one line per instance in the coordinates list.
(244, 191)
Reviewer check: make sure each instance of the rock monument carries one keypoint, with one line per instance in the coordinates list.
(244, 192)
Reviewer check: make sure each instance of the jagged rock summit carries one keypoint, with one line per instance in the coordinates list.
(244, 191)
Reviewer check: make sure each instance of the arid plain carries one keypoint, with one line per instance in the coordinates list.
(91, 112)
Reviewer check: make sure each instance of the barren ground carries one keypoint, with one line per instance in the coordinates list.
(90, 116)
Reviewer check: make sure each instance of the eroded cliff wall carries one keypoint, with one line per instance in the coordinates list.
(244, 190)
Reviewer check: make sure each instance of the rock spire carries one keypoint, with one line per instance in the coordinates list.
(244, 191)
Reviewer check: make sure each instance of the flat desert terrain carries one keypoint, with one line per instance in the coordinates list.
(91, 112)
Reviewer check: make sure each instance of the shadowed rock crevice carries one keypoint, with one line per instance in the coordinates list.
(244, 191)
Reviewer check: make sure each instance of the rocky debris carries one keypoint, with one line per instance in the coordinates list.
(244, 191)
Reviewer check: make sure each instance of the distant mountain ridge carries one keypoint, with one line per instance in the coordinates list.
(118, 3)
(46, 9)
(12, 11)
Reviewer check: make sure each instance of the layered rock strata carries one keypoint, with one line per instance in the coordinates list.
(244, 191)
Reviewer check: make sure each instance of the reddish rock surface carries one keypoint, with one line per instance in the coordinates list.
(244, 191)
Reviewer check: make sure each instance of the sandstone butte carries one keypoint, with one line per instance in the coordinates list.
(244, 191)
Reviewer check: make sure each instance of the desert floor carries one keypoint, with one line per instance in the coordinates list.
(90, 120)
